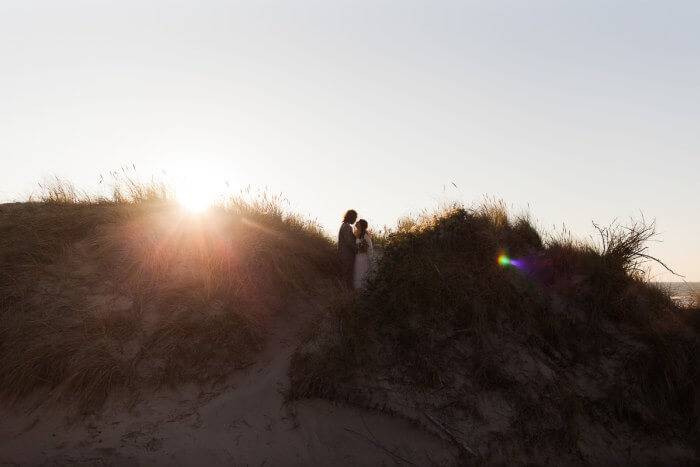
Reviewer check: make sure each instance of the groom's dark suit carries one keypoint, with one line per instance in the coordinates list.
(347, 248)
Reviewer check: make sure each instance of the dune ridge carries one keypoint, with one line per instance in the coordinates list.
(132, 332)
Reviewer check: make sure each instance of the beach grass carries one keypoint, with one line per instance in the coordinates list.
(543, 345)
(469, 305)
(115, 295)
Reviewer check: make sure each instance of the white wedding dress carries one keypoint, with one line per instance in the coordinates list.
(363, 263)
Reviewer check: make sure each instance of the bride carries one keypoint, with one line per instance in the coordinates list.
(363, 258)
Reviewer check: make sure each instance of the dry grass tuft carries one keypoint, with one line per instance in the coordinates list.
(535, 362)
(113, 296)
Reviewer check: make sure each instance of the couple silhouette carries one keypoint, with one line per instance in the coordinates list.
(355, 250)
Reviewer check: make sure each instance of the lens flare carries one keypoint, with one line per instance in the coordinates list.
(504, 260)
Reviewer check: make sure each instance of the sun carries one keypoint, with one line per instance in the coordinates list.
(199, 185)
(195, 203)
(196, 195)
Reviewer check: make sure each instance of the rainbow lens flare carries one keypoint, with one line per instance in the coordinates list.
(506, 261)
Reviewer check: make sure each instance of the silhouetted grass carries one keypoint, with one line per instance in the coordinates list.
(103, 296)
(572, 338)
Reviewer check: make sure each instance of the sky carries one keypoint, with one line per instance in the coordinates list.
(573, 111)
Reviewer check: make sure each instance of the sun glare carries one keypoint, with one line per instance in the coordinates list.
(195, 202)
(196, 194)
(200, 184)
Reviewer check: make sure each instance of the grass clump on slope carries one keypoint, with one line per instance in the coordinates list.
(566, 355)
(102, 296)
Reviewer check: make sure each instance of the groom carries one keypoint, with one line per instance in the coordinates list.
(347, 247)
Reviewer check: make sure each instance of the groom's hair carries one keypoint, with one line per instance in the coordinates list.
(350, 216)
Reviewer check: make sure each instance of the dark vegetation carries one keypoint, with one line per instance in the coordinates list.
(102, 296)
(565, 356)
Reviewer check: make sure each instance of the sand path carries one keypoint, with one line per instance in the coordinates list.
(244, 423)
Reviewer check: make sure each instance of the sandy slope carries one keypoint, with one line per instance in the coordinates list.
(244, 423)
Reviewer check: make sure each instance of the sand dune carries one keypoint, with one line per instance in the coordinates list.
(243, 422)
(563, 356)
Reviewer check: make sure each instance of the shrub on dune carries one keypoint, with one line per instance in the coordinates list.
(467, 306)
(100, 296)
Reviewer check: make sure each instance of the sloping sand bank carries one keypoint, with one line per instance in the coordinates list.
(243, 422)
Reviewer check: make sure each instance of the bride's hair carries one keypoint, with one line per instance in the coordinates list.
(362, 226)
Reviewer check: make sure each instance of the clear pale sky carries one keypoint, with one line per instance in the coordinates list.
(582, 111)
